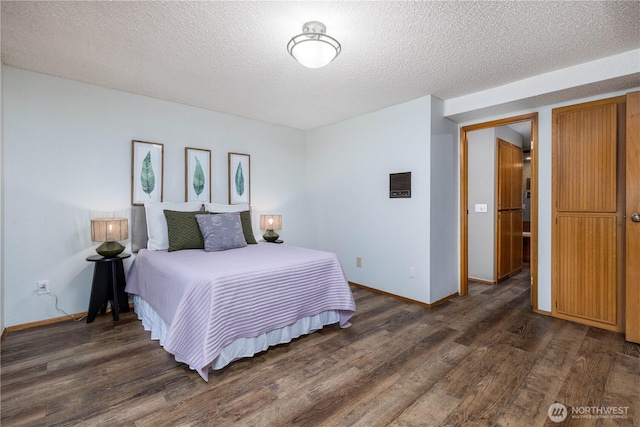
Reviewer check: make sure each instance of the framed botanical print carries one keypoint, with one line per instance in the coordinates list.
(239, 178)
(147, 164)
(197, 169)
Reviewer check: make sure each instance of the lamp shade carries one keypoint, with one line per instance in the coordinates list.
(270, 222)
(314, 53)
(109, 229)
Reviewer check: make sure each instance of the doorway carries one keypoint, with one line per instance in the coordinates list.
(533, 198)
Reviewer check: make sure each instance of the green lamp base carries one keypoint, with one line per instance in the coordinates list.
(110, 249)
(270, 236)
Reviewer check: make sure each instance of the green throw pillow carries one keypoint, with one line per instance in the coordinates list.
(183, 230)
(245, 219)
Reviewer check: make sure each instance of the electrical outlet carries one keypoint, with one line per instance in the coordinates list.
(412, 272)
(42, 287)
(358, 261)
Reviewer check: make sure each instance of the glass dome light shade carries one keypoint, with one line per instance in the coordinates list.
(313, 48)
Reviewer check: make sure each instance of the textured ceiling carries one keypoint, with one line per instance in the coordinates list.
(231, 56)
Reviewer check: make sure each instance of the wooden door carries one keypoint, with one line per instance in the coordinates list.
(632, 238)
(516, 241)
(509, 219)
(504, 175)
(504, 245)
(517, 171)
(586, 246)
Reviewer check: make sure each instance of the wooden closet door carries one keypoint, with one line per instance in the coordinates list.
(509, 221)
(517, 170)
(632, 178)
(504, 245)
(504, 175)
(586, 238)
(516, 241)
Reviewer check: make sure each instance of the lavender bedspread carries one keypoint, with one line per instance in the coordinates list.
(212, 298)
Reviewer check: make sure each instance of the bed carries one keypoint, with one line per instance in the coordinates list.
(209, 308)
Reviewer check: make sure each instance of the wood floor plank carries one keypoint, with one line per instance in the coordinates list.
(385, 404)
(488, 398)
(622, 389)
(589, 374)
(431, 408)
(531, 332)
(602, 378)
(402, 353)
(542, 384)
(482, 359)
(495, 320)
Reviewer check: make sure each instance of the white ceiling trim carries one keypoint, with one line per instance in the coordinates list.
(528, 93)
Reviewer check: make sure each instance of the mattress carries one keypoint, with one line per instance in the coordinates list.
(240, 347)
(210, 308)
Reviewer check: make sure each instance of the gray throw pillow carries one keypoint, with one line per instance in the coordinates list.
(222, 231)
(245, 219)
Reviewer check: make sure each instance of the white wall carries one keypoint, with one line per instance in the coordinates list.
(350, 211)
(67, 158)
(444, 205)
(481, 190)
(507, 134)
(1, 209)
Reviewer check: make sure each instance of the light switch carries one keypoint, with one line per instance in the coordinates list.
(481, 207)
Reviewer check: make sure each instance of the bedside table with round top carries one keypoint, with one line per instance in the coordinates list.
(108, 285)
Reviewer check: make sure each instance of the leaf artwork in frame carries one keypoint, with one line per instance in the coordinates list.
(147, 177)
(198, 178)
(197, 171)
(239, 178)
(147, 163)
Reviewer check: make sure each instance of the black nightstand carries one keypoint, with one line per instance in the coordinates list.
(108, 285)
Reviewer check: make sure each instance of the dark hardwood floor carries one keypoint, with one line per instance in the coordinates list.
(483, 359)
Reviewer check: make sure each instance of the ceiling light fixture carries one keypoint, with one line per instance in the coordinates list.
(314, 48)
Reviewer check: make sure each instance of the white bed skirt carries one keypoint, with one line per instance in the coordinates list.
(242, 347)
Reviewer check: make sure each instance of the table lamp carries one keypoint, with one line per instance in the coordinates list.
(270, 223)
(109, 231)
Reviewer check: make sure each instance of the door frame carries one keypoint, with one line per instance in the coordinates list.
(632, 233)
(464, 196)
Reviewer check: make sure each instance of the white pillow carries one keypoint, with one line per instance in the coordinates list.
(218, 208)
(157, 223)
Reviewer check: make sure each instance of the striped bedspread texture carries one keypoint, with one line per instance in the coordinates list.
(210, 299)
